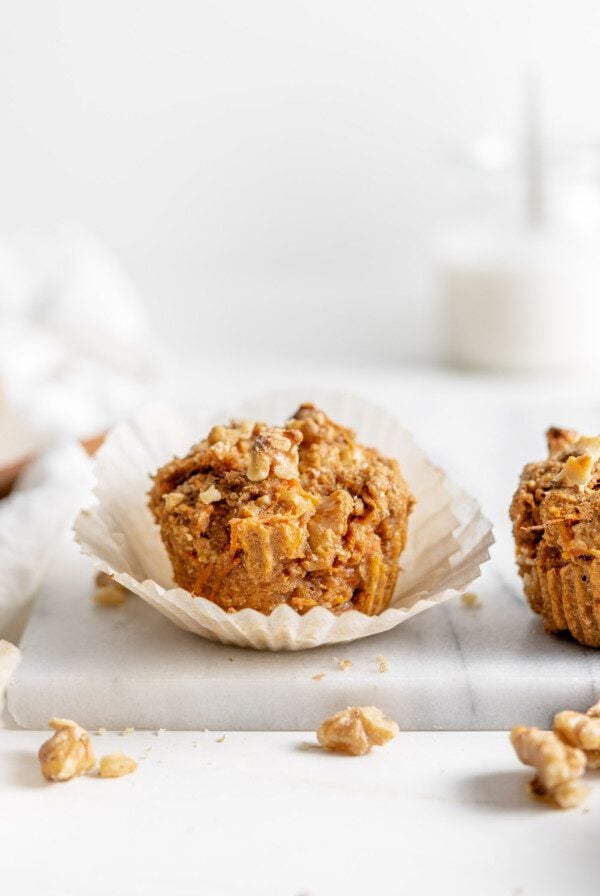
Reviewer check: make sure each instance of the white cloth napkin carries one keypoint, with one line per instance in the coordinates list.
(75, 348)
(33, 519)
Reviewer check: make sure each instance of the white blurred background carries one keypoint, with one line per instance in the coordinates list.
(271, 174)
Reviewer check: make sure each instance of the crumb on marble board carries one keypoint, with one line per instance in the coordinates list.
(127, 731)
(384, 666)
(343, 665)
(318, 676)
(470, 600)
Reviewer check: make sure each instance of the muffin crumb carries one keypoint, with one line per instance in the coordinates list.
(343, 665)
(318, 676)
(383, 664)
(470, 600)
(115, 765)
(127, 731)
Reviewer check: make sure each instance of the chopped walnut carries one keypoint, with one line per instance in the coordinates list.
(230, 435)
(172, 499)
(115, 765)
(579, 464)
(576, 471)
(559, 439)
(356, 729)
(113, 595)
(278, 449)
(583, 731)
(67, 753)
(558, 766)
(594, 711)
(588, 446)
(577, 729)
(246, 427)
(211, 495)
(564, 796)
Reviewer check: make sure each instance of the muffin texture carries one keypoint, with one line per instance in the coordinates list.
(556, 524)
(256, 516)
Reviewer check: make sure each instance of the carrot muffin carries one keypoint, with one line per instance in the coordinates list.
(556, 524)
(256, 516)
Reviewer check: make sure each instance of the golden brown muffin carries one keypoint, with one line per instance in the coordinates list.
(255, 516)
(556, 524)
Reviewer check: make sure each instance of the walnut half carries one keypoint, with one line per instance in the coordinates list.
(356, 729)
(67, 753)
(558, 766)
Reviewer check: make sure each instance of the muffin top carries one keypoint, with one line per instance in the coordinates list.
(255, 516)
(557, 504)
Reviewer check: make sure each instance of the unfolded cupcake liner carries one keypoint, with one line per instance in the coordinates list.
(448, 536)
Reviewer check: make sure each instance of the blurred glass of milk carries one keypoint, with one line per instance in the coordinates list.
(519, 264)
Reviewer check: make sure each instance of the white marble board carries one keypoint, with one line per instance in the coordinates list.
(449, 668)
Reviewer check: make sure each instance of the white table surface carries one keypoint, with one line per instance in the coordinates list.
(429, 813)
(257, 815)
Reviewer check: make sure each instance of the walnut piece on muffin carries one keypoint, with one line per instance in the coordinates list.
(256, 516)
(556, 523)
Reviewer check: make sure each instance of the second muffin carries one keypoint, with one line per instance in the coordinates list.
(556, 524)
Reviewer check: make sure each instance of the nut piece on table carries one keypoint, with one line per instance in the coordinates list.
(68, 753)
(115, 765)
(579, 730)
(108, 592)
(356, 729)
(557, 764)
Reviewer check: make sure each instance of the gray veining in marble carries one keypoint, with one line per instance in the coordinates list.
(450, 668)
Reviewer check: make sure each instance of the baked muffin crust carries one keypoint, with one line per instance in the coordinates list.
(255, 516)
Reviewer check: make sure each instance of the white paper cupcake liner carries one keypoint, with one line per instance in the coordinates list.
(448, 536)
